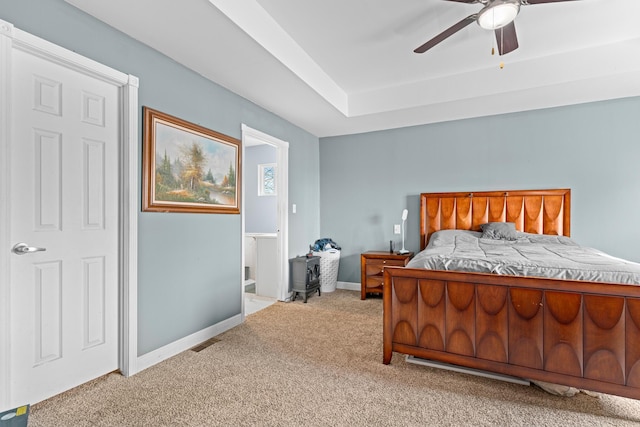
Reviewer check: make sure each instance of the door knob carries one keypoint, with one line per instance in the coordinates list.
(23, 248)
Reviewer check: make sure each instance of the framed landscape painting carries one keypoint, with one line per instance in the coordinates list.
(188, 168)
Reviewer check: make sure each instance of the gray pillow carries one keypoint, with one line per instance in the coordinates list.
(499, 230)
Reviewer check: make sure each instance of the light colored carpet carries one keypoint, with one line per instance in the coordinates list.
(316, 364)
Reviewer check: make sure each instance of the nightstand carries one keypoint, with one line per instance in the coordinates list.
(372, 265)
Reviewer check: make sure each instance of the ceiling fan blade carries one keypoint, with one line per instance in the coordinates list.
(525, 2)
(446, 33)
(465, 1)
(507, 39)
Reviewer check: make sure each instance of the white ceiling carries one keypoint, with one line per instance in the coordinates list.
(338, 67)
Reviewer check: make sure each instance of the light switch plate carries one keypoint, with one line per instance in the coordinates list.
(396, 229)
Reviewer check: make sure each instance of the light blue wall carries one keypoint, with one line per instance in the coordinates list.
(189, 264)
(594, 149)
(261, 212)
(365, 181)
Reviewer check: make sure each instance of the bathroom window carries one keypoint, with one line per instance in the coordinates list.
(267, 179)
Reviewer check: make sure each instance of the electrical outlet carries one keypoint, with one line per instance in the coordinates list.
(396, 229)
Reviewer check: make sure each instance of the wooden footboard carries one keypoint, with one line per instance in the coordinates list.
(580, 334)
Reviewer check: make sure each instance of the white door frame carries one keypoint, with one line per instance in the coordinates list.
(13, 38)
(282, 184)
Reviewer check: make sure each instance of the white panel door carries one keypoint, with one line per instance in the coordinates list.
(64, 185)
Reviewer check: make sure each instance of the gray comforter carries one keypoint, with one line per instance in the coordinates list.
(537, 255)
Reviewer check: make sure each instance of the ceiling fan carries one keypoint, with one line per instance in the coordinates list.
(497, 15)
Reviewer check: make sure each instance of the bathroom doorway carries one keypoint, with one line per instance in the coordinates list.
(264, 220)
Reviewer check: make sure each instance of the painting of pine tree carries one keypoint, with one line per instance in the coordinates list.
(192, 167)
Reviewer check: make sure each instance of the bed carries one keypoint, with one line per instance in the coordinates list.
(577, 333)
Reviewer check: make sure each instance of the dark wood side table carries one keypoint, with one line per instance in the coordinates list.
(372, 265)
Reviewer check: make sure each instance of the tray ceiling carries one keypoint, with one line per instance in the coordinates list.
(340, 67)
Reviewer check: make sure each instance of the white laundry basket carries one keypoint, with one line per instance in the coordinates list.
(329, 263)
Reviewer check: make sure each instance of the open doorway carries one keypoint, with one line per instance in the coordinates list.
(264, 220)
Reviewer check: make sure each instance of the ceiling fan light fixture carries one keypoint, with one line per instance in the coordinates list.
(498, 14)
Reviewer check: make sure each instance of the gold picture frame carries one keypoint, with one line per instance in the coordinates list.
(188, 168)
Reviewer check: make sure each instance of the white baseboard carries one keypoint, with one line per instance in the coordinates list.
(350, 286)
(156, 356)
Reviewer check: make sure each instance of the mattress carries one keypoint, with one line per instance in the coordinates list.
(538, 255)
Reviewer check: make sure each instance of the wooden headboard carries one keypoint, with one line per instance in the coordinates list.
(533, 211)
